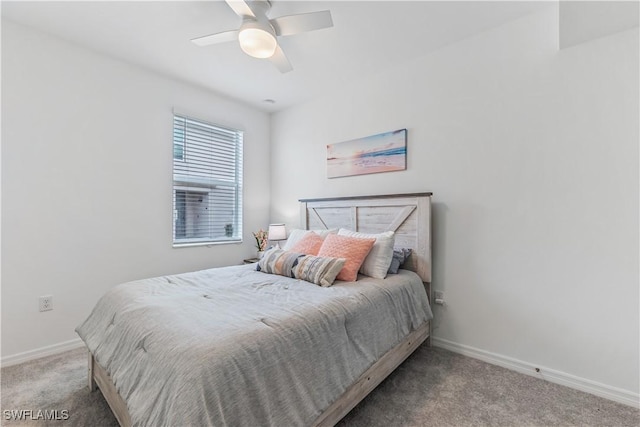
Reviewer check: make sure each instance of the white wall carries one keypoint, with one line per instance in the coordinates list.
(87, 181)
(532, 156)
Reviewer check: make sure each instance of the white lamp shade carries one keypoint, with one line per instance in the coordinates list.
(257, 42)
(277, 232)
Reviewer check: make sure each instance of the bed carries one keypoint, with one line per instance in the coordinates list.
(191, 350)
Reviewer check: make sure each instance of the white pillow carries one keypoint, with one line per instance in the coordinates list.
(297, 234)
(377, 263)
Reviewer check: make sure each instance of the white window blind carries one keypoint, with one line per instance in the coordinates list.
(207, 183)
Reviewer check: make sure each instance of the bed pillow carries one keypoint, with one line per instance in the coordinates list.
(309, 244)
(399, 257)
(319, 270)
(278, 261)
(377, 262)
(354, 250)
(297, 234)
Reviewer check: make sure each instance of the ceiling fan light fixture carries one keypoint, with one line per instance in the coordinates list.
(257, 33)
(257, 42)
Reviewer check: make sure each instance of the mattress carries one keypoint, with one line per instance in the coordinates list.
(234, 346)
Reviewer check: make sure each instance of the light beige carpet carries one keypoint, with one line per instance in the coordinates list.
(434, 387)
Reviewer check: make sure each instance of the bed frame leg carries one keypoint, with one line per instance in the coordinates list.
(92, 382)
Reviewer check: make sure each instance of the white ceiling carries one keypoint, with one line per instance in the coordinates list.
(367, 37)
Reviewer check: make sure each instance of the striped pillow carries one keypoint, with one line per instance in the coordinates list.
(319, 270)
(314, 269)
(277, 261)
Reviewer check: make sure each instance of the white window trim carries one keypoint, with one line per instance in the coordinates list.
(206, 185)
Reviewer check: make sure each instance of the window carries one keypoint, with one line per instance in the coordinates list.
(207, 183)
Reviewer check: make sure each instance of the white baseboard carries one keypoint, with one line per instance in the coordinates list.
(49, 350)
(612, 393)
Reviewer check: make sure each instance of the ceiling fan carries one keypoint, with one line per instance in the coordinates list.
(257, 34)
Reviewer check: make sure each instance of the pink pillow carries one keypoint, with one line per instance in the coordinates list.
(353, 249)
(308, 245)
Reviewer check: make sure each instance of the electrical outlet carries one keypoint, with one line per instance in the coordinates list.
(439, 297)
(46, 303)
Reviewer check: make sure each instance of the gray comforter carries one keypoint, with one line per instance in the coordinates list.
(234, 346)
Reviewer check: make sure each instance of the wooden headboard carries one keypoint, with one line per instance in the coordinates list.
(409, 215)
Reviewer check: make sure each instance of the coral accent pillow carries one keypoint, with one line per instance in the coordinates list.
(353, 249)
(309, 245)
(297, 234)
(379, 259)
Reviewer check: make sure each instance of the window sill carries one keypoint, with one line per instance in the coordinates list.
(207, 243)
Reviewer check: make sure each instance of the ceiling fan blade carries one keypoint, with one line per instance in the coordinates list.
(279, 59)
(293, 24)
(241, 8)
(226, 36)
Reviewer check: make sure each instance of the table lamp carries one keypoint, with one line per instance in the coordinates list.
(277, 232)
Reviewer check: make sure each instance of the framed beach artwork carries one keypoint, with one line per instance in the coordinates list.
(385, 152)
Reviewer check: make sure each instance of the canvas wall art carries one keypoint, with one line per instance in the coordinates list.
(384, 152)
